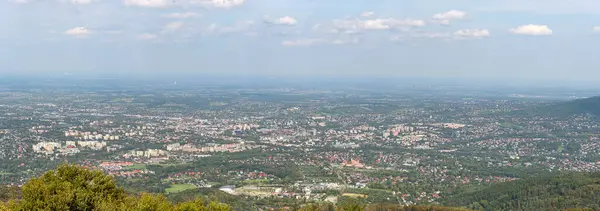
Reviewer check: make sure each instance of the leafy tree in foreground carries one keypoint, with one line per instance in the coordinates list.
(75, 188)
(70, 187)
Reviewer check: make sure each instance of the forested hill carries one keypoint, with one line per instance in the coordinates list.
(575, 107)
(551, 192)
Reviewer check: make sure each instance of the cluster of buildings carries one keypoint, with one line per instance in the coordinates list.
(91, 136)
(190, 148)
(149, 153)
(69, 147)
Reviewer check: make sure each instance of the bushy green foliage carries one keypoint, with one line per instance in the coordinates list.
(211, 194)
(376, 207)
(9, 192)
(70, 188)
(73, 188)
(417, 208)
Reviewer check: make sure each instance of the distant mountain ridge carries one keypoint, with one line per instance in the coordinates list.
(589, 105)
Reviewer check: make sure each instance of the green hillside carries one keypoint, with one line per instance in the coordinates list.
(551, 192)
(575, 107)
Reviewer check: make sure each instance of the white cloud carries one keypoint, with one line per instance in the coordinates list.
(367, 14)
(423, 35)
(475, 33)
(374, 24)
(149, 3)
(344, 41)
(354, 26)
(182, 15)
(532, 29)
(287, 20)
(146, 36)
(446, 17)
(20, 1)
(78, 32)
(450, 15)
(420, 35)
(225, 3)
(325, 29)
(218, 3)
(596, 29)
(302, 42)
(447, 36)
(81, 1)
(173, 26)
(167, 3)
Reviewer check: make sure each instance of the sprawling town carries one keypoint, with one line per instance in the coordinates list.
(382, 146)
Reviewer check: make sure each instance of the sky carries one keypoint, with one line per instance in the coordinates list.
(492, 39)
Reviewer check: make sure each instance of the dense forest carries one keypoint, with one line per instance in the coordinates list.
(71, 187)
(546, 192)
(585, 106)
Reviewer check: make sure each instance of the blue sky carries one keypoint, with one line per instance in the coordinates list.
(513, 39)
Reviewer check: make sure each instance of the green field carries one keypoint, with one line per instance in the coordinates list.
(137, 166)
(179, 188)
(256, 181)
(355, 195)
(172, 164)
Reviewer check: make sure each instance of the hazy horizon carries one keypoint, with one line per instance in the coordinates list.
(306, 81)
